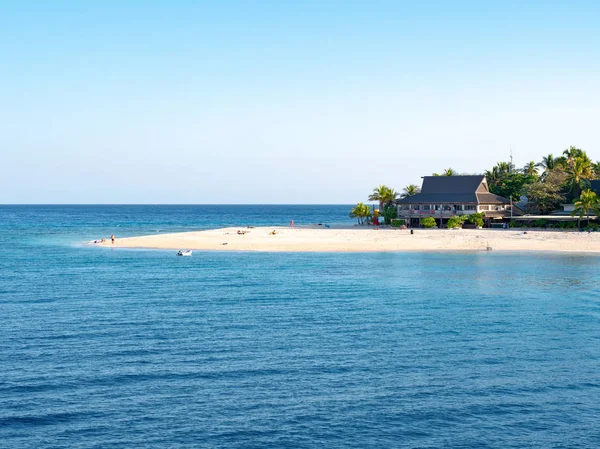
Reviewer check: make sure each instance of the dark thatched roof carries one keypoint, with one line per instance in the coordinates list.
(454, 189)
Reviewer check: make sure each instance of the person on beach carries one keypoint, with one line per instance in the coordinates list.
(112, 238)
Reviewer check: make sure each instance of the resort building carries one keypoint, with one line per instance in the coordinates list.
(442, 197)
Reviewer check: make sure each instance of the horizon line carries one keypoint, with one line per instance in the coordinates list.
(178, 204)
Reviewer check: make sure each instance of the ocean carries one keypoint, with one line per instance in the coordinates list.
(109, 348)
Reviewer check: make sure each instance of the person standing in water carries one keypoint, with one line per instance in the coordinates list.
(112, 238)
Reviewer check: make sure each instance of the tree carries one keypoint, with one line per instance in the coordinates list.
(530, 169)
(505, 167)
(492, 176)
(384, 195)
(361, 212)
(579, 173)
(447, 172)
(596, 169)
(392, 196)
(547, 193)
(410, 190)
(572, 153)
(511, 185)
(548, 163)
(505, 181)
(588, 202)
(390, 213)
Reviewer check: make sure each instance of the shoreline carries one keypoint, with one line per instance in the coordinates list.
(359, 240)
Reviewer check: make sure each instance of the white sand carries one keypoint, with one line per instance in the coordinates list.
(356, 239)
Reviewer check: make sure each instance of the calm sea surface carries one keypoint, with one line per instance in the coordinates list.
(104, 348)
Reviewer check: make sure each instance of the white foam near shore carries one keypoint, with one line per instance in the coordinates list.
(355, 239)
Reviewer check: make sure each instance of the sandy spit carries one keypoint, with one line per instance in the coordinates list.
(306, 239)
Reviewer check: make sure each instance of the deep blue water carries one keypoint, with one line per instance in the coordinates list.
(105, 348)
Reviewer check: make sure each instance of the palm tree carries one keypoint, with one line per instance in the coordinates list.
(561, 161)
(384, 195)
(360, 212)
(573, 153)
(548, 163)
(492, 176)
(596, 168)
(447, 172)
(588, 202)
(393, 196)
(578, 175)
(505, 167)
(410, 190)
(530, 169)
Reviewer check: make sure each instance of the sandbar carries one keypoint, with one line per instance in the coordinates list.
(362, 239)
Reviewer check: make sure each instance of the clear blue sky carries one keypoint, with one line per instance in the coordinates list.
(284, 102)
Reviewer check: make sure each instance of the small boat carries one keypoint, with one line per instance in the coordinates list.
(184, 252)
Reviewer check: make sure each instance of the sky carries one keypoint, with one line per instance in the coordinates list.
(262, 102)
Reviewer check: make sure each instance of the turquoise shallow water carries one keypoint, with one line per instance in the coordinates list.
(126, 348)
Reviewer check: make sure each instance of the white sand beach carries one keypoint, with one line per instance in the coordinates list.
(356, 239)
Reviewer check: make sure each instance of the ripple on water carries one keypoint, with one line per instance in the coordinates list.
(134, 349)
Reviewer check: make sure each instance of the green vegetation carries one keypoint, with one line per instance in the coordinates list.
(410, 190)
(476, 219)
(567, 225)
(384, 195)
(456, 221)
(588, 202)
(390, 212)
(397, 223)
(362, 212)
(506, 181)
(562, 180)
(546, 193)
(546, 185)
(428, 222)
(448, 172)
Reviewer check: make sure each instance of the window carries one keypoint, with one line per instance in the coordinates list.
(436, 207)
(469, 207)
(417, 207)
(427, 207)
(458, 207)
(447, 207)
(484, 207)
(405, 207)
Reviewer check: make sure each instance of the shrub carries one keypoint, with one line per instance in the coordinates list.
(397, 222)
(476, 219)
(541, 223)
(456, 222)
(428, 222)
(389, 214)
(515, 224)
(567, 225)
